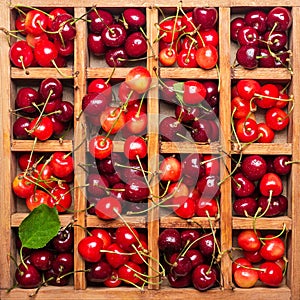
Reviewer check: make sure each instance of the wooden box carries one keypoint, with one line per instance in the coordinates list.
(87, 68)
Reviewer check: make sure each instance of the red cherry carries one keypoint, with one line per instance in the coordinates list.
(45, 53)
(245, 277)
(194, 92)
(239, 263)
(41, 128)
(270, 182)
(89, 248)
(126, 238)
(246, 130)
(37, 198)
(266, 96)
(100, 147)
(184, 207)
(273, 248)
(112, 119)
(167, 57)
(138, 79)
(170, 169)
(21, 54)
(103, 235)
(116, 256)
(135, 146)
(265, 132)
(22, 186)
(99, 85)
(186, 58)
(207, 57)
(248, 240)
(62, 197)
(36, 22)
(247, 88)
(241, 107)
(277, 119)
(108, 208)
(206, 206)
(61, 164)
(270, 274)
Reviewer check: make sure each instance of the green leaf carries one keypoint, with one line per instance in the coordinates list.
(178, 88)
(39, 227)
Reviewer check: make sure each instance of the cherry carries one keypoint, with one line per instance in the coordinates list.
(135, 45)
(138, 79)
(43, 176)
(90, 248)
(54, 278)
(97, 185)
(127, 237)
(41, 128)
(27, 160)
(169, 240)
(134, 147)
(63, 26)
(168, 57)
(42, 259)
(281, 165)
(116, 57)
(267, 94)
(99, 19)
(134, 18)
(280, 18)
(270, 182)
(248, 205)
(254, 167)
(53, 14)
(184, 207)
(273, 248)
(113, 280)
(203, 277)
(247, 55)
(112, 119)
(25, 99)
(170, 169)
(194, 92)
(181, 265)
(21, 54)
(277, 119)
(265, 132)
(253, 256)
(186, 58)
(136, 123)
(275, 207)
(45, 53)
(257, 19)
(130, 272)
(52, 85)
(239, 263)
(100, 147)
(95, 44)
(207, 245)
(169, 31)
(63, 263)
(20, 128)
(270, 274)
(192, 167)
(114, 35)
(242, 186)
(206, 17)
(108, 208)
(94, 103)
(208, 186)
(61, 197)
(235, 25)
(61, 164)
(245, 277)
(246, 130)
(187, 114)
(188, 236)
(65, 111)
(201, 130)
(207, 57)
(206, 206)
(35, 22)
(277, 40)
(195, 257)
(99, 85)
(179, 282)
(249, 240)
(99, 272)
(27, 276)
(136, 190)
(116, 256)
(247, 88)
(247, 35)
(171, 129)
(103, 235)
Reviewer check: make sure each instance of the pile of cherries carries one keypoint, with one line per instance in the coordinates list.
(262, 38)
(195, 105)
(52, 265)
(45, 180)
(249, 96)
(115, 257)
(189, 39)
(190, 184)
(258, 185)
(189, 257)
(49, 38)
(42, 113)
(263, 259)
(118, 38)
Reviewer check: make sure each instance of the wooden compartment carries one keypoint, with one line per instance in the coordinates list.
(87, 68)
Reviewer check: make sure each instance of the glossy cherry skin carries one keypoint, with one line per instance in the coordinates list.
(116, 57)
(267, 93)
(247, 55)
(41, 128)
(247, 88)
(134, 18)
(248, 240)
(63, 25)
(245, 277)
(63, 241)
(184, 207)
(100, 147)
(61, 164)
(51, 88)
(108, 208)
(235, 25)
(169, 240)
(103, 235)
(186, 58)
(116, 256)
(126, 238)
(89, 248)
(138, 79)
(205, 17)
(135, 45)
(35, 22)
(246, 130)
(65, 111)
(206, 206)
(136, 190)
(134, 147)
(277, 206)
(171, 129)
(21, 54)
(27, 276)
(279, 17)
(201, 130)
(100, 85)
(266, 134)
(254, 167)
(63, 263)
(186, 114)
(273, 248)
(114, 35)
(207, 57)
(277, 119)
(242, 186)
(94, 103)
(194, 92)
(170, 169)
(270, 182)
(247, 35)
(189, 236)
(167, 56)
(99, 19)
(179, 282)
(45, 53)
(95, 44)
(203, 277)
(181, 265)
(248, 205)
(26, 96)
(271, 274)
(282, 165)
(257, 19)
(42, 259)
(239, 263)
(99, 272)
(207, 245)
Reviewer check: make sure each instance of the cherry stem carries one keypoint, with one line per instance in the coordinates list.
(17, 7)
(233, 128)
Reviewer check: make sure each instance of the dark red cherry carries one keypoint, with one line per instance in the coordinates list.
(242, 186)
(99, 272)
(201, 130)
(27, 276)
(136, 190)
(42, 259)
(169, 240)
(114, 35)
(280, 17)
(63, 263)
(95, 44)
(248, 36)
(134, 18)
(257, 19)
(52, 85)
(171, 129)
(235, 25)
(63, 241)
(94, 103)
(248, 205)
(65, 111)
(276, 40)
(277, 206)
(63, 25)
(246, 56)
(26, 96)
(19, 128)
(188, 236)
(135, 45)
(282, 165)
(186, 114)
(116, 57)
(99, 19)
(21, 54)
(254, 167)
(206, 17)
